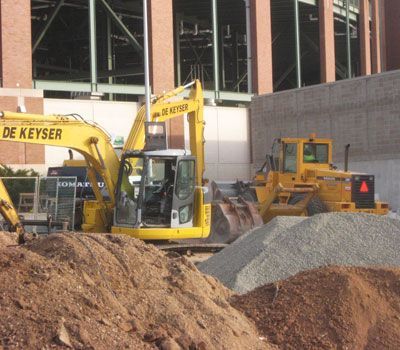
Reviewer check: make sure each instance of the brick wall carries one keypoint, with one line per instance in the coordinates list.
(15, 42)
(12, 153)
(16, 77)
(364, 112)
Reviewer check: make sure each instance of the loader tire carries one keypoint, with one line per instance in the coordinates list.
(316, 205)
(249, 195)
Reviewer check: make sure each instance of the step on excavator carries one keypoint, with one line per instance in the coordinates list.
(299, 179)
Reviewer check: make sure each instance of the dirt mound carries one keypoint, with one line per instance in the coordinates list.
(112, 292)
(330, 308)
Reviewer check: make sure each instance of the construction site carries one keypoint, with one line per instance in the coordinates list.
(199, 175)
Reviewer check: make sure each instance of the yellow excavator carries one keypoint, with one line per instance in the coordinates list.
(153, 193)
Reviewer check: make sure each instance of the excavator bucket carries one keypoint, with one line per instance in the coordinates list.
(234, 211)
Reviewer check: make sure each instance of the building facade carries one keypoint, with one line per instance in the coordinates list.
(93, 49)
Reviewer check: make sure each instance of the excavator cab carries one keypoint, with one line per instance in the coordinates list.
(158, 192)
(157, 195)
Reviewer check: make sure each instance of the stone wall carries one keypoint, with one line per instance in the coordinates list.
(364, 112)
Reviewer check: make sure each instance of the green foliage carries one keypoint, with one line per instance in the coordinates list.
(16, 186)
(6, 171)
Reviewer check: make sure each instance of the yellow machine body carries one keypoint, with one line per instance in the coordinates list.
(8, 211)
(163, 108)
(275, 188)
(91, 141)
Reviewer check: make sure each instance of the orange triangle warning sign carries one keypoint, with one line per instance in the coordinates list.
(364, 187)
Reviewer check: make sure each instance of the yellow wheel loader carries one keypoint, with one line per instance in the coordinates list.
(297, 179)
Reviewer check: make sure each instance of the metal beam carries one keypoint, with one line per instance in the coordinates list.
(137, 90)
(340, 69)
(93, 44)
(178, 49)
(348, 42)
(287, 73)
(110, 64)
(122, 26)
(215, 46)
(47, 25)
(69, 86)
(297, 42)
(249, 48)
(77, 75)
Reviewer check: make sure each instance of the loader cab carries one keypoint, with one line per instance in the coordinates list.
(297, 154)
(156, 189)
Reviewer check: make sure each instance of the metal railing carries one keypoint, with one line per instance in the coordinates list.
(37, 199)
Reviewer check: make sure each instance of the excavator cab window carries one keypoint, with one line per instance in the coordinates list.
(158, 192)
(146, 187)
(315, 153)
(182, 208)
(128, 192)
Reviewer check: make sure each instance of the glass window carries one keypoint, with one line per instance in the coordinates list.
(126, 211)
(186, 179)
(275, 155)
(156, 173)
(158, 191)
(290, 158)
(315, 153)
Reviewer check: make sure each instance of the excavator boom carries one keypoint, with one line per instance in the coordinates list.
(88, 139)
(162, 110)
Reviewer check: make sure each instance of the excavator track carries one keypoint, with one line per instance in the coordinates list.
(195, 252)
(192, 247)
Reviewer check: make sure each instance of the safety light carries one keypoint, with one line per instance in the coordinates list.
(364, 187)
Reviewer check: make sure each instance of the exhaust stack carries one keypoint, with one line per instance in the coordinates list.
(346, 157)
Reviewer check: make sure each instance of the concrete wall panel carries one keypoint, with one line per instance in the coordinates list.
(115, 117)
(227, 132)
(227, 147)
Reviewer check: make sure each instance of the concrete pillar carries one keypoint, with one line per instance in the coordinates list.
(16, 46)
(162, 65)
(383, 35)
(365, 43)
(327, 41)
(261, 40)
(376, 38)
(392, 20)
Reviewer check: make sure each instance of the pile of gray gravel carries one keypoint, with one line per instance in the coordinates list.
(288, 245)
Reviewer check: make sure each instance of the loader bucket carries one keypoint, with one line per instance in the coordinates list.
(233, 212)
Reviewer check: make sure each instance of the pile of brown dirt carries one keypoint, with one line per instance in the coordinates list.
(330, 308)
(112, 292)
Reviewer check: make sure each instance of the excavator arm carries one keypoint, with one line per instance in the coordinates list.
(77, 134)
(163, 109)
(8, 211)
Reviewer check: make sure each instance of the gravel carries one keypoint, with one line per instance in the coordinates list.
(288, 245)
